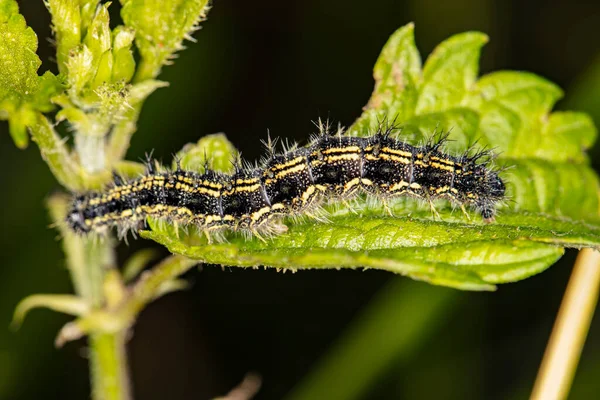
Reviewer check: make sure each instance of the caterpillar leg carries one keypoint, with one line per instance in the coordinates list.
(387, 208)
(256, 233)
(465, 213)
(317, 216)
(434, 213)
(349, 206)
(208, 237)
(176, 227)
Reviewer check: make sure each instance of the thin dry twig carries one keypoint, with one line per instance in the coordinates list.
(570, 329)
(246, 389)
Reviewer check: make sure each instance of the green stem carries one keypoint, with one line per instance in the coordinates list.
(108, 361)
(108, 366)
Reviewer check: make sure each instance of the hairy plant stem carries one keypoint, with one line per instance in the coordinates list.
(88, 261)
(570, 329)
(108, 366)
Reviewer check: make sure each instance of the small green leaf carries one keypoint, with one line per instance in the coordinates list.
(137, 262)
(64, 303)
(98, 37)
(175, 285)
(160, 28)
(99, 41)
(138, 92)
(18, 127)
(130, 169)
(22, 91)
(49, 86)
(214, 149)
(552, 199)
(124, 63)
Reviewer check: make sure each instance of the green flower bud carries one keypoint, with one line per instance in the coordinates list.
(98, 38)
(105, 69)
(123, 37)
(66, 23)
(124, 63)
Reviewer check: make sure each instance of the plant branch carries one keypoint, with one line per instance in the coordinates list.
(151, 285)
(120, 136)
(570, 329)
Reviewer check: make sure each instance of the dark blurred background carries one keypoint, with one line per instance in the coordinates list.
(278, 65)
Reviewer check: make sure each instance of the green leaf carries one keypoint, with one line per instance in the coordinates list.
(552, 192)
(17, 52)
(449, 253)
(22, 91)
(160, 28)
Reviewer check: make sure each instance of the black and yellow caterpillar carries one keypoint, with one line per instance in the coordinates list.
(254, 200)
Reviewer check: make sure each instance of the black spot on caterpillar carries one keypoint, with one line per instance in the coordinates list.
(254, 200)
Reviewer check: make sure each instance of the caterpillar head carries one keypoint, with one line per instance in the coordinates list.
(75, 217)
(489, 189)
